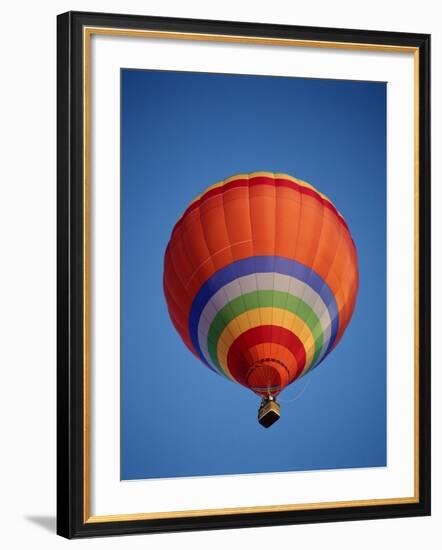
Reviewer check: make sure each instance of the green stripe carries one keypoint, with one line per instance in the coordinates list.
(258, 299)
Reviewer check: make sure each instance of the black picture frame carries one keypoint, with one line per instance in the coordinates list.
(71, 519)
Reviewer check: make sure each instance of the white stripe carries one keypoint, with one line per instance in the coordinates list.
(262, 281)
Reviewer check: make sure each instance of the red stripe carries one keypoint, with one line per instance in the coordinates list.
(238, 365)
(259, 181)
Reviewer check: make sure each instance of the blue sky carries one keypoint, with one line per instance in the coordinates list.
(180, 133)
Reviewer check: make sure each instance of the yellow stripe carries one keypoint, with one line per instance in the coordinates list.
(271, 175)
(264, 316)
(302, 183)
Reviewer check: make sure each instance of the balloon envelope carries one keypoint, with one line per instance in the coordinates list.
(260, 279)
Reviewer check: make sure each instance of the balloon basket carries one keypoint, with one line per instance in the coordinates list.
(269, 412)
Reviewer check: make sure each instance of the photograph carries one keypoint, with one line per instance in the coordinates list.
(221, 254)
(243, 274)
(253, 274)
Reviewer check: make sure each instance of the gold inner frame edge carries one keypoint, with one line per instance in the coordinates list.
(87, 33)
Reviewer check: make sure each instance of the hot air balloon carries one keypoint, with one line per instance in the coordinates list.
(260, 279)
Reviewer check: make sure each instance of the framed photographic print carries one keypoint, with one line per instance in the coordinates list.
(243, 274)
